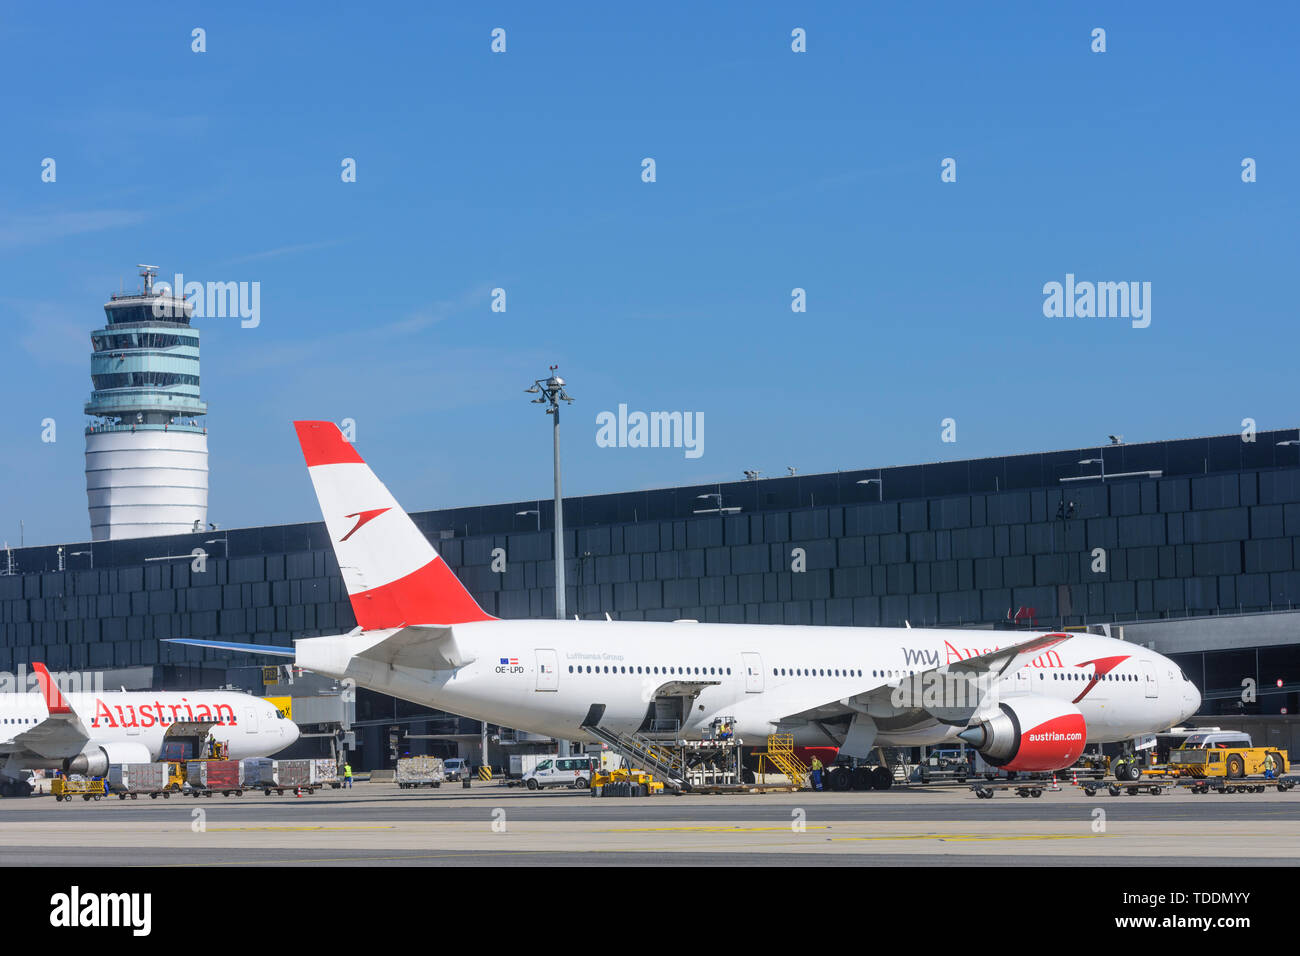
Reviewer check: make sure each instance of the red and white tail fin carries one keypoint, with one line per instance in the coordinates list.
(393, 575)
(54, 700)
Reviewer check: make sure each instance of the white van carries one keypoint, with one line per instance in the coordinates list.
(1222, 740)
(562, 772)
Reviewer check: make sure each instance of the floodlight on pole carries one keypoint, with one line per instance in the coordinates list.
(879, 482)
(550, 392)
(719, 510)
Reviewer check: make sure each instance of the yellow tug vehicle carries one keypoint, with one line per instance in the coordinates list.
(1232, 768)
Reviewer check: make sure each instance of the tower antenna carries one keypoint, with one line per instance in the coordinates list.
(148, 272)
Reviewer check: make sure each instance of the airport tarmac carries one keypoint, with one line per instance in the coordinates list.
(380, 825)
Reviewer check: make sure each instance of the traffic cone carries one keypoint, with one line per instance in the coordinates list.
(1054, 786)
(1074, 778)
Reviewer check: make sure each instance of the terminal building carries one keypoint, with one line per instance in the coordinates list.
(1189, 546)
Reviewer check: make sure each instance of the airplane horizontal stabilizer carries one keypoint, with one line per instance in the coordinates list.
(269, 649)
(428, 647)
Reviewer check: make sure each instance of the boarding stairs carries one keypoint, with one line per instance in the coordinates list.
(664, 763)
(780, 753)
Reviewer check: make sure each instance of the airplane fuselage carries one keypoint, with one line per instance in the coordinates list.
(250, 726)
(545, 676)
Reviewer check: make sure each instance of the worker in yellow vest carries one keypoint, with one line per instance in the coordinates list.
(816, 774)
(347, 776)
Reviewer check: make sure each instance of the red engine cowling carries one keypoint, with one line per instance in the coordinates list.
(1030, 733)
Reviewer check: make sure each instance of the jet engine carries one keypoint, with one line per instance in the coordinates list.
(1030, 733)
(94, 760)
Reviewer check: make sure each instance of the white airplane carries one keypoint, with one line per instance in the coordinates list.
(85, 732)
(1028, 705)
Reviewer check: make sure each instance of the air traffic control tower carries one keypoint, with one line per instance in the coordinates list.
(146, 446)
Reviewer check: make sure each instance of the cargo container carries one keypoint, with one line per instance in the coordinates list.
(327, 772)
(259, 772)
(420, 772)
(299, 775)
(207, 777)
(133, 779)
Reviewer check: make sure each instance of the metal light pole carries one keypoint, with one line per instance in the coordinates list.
(550, 392)
(1064, 512)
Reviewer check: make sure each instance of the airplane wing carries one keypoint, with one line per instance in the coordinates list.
(949, 694)
(426, 646)
(62, 732)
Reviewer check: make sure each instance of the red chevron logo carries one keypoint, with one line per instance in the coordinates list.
(1101, 667)
(362, 517)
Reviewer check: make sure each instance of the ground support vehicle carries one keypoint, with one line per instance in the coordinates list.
(303, 776)
(1226, 763)
(943, 765)
(1239, 784)
(132, 779)
(572, 771)
(206, 777)
(65, 789)
(625, 783)
(1152, 785)
(414, 772)
(1029, 787)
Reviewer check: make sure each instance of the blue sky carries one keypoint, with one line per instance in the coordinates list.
(522, 170)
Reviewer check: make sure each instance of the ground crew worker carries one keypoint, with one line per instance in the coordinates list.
(816, 773)
(1270, 767)
(347, 775)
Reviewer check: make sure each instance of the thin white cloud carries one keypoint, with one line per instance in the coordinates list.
(35, 229)
(52, 332)
(283, 251)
